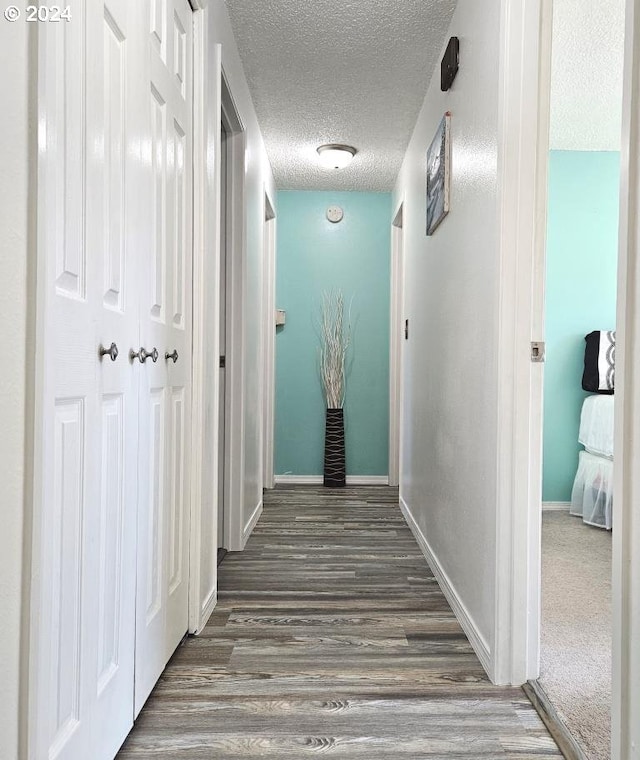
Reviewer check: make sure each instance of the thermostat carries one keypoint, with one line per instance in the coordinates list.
(335, 214)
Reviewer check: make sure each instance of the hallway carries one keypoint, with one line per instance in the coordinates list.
(331, 635)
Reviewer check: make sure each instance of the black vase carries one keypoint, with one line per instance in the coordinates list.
(334, 461)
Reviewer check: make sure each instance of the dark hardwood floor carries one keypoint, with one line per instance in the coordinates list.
(331, 636)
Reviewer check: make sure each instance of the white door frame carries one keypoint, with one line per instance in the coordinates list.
(234, 539)
(206, 255)
(626, 531)
(395, 343)
(524, 77)
(523, 142)
(33, 532)
(269, 340)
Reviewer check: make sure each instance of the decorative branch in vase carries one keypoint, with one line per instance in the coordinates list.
(335, 335)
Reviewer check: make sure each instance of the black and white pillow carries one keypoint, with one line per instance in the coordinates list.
(600, 362)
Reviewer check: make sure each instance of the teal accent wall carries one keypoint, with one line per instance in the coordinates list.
(315, 255)
(582, 251)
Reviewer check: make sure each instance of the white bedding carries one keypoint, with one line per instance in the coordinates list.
(596, 425)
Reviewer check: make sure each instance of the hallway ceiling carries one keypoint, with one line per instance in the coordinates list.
(345, 71)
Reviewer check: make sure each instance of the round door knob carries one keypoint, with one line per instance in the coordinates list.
(111, 352)
(173, 356)
(142, 355)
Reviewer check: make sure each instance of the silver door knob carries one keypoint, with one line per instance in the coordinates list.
(111, 352)
(142, 355)
(173, 356)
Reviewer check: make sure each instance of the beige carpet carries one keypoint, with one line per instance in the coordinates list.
(576, 628)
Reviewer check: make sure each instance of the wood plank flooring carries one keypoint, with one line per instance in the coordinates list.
(332, 637)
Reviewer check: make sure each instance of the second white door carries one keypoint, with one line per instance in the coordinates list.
(165, 388)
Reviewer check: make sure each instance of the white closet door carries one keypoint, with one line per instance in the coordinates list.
(165, 392)
(84, 597)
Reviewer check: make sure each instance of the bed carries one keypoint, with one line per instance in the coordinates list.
(592, 494)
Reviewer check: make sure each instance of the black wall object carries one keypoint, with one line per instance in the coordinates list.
(449, 65)
(334, 459)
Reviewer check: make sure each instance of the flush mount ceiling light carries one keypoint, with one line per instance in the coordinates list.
(336, 156)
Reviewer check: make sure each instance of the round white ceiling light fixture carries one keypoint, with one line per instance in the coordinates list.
(335, 156)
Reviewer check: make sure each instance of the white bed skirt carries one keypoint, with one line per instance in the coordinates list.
(592, 496)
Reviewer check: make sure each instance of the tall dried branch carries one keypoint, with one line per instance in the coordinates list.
(335, 336)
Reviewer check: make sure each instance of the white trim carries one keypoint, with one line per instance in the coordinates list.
(195, 489)
(556, 506)
(32, 588)
(626, 534)
(269, 339)
(367, 480)
(476, 639)
(202, 333)
(317, 480)
(522, 160)
(395, 343)
(207, 610)
(251, 522)
(234, 458)
(299, 480)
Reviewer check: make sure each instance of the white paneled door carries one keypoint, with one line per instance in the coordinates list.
(165, 391)
(110, 560)
(84, 605)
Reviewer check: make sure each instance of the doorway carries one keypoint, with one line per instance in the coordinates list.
(578, 415)
(222, 320)
(575, 296)
(395, 345)
(231, 244)
(268, 342)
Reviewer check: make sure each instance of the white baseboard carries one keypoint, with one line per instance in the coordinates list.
(299, 480)
(251, 523)
(317, 480)
(556, 506)
(476, 639)
(207, 609)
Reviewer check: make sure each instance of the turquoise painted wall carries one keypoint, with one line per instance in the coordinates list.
(315, 255)
(582, 240)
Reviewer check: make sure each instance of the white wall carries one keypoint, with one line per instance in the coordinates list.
(449, 428)
(15, 269)
(258, 180)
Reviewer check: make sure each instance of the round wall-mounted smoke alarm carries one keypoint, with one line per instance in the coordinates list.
(335, 214)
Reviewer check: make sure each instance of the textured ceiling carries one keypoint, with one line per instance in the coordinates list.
(347, 71)
(586, 89)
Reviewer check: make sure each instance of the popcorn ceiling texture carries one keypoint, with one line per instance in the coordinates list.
(586, 74)
(346, 71)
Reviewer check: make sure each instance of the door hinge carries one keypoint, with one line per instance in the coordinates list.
(223, 362)
(537, 351)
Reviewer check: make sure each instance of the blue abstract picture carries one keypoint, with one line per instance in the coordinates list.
(438, 171)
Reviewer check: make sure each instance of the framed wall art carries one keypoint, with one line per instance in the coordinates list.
(439, 174)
